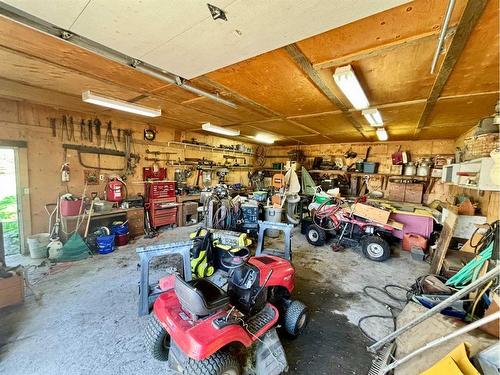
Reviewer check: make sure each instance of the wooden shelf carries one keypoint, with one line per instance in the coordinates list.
(336, 171)
(208, 148)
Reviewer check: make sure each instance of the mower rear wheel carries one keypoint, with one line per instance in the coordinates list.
(157, 339)
(375, 248)
(296, 318)
(315, 235)
(219, 363)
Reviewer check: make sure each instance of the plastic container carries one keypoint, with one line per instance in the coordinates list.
(260, 196)
(103, 206)
(119, 228)
(105, 244)
(70, 208)
(414, 240)
(122, 239)
(37, 245)
(369, 167)
(273, 214)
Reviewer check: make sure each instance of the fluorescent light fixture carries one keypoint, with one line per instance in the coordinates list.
(264, 138)
(373, 117)
(346, 80)
(121, 105)
(220, 130)
(382, 134)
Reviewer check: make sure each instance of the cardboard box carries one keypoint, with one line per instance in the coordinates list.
(493, 327)
(371, 213)
(11, 290)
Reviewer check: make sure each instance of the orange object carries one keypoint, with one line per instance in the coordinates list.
(412, 239)
(279, 180)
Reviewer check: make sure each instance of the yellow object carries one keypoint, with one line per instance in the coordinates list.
(200, 267)
(454, 363)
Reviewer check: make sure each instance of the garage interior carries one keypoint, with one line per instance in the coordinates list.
(242, 187)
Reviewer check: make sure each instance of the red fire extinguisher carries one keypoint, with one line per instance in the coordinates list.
(116, 190)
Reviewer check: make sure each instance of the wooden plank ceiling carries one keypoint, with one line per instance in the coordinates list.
(289, 93)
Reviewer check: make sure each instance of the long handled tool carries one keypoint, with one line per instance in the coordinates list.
(438, 308)
(467, 328)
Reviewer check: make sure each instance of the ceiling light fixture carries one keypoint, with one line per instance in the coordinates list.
(382, 134)
(373, 117)
(264, 138)
(220, 130)
(121, 105)
(346, 80)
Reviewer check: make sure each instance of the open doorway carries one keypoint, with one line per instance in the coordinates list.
(9, 203)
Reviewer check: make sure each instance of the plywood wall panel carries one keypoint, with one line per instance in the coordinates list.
(274, 81)
(477, 69)
(401, 22)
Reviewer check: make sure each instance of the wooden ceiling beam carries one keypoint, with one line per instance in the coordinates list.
(471, 14)
(380, 49)
(302, 61)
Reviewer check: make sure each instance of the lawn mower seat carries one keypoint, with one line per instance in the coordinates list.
(200, 297)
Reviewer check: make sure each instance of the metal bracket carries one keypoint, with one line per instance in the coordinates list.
(285, 228)
(146, 254)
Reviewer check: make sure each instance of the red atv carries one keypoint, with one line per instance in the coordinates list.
(201, 329)
(333, 218)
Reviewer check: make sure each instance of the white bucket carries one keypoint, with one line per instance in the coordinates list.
(37, 244)
(273, 214)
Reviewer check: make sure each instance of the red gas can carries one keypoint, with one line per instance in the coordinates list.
(413, 239)
(115, 190)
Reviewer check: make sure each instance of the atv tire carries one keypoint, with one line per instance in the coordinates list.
(315, 235)
(375, 248)
(157, 339)
(219, 363)
(296, 318)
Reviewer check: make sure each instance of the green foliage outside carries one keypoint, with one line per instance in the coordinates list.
(8, 217)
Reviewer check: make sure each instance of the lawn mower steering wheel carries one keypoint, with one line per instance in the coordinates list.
(236, 259)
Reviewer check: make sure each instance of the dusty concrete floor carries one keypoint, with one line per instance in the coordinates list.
(86, 320)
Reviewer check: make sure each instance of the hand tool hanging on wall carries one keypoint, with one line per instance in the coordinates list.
(89, 126)
(97, 124)
(119, 135)
(71, 129)
(83, 131)
(52, 121)
(64, 128)
(108, 138)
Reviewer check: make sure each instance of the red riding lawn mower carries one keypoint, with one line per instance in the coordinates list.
(332, 217)
(200, 329)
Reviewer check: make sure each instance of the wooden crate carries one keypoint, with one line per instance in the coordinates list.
(11, 290)
(414, 193)
(371, 213)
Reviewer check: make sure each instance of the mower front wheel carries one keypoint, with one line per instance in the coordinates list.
(296, 318)
(219, 363)
(375, 248)
(315, 235)
(157, 339)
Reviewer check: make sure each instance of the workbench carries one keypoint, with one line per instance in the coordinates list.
(135, 217)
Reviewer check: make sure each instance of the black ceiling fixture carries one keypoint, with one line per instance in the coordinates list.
(217, 13)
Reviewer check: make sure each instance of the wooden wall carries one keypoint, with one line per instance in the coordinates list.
(488, 202)
(29, 122)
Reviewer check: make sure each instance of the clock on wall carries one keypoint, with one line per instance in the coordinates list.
(149, 135)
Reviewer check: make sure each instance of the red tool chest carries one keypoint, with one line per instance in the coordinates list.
(162, 189)
(163, 211)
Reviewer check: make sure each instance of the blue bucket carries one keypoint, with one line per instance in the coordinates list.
(119, 229)
(105, 244)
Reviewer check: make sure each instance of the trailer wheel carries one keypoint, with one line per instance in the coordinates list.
(375, 248)
(315, 235)
(296, 318)
(157, 339)
(219, 363)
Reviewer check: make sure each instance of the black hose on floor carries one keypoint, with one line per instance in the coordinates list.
(388, 306)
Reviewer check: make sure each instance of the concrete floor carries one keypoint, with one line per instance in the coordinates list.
(86, 320)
